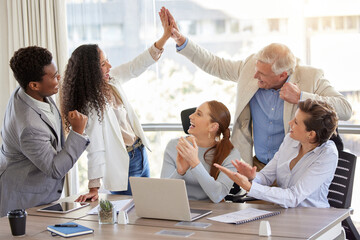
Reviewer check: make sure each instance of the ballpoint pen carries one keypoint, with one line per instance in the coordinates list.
(65, 225)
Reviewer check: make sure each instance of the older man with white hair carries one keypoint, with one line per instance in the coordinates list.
(270, 84)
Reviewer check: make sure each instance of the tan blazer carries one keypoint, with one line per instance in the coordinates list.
(107, 155)
(310, 81)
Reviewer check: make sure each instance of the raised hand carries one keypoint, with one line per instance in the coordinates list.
(245, 169)
(166, 24)
(77, 121)
(175, 33)
(238, 178)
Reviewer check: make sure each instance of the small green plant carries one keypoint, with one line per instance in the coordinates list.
(107, 213)
(106, 205)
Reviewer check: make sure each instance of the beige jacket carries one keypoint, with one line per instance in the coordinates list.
(310, 81)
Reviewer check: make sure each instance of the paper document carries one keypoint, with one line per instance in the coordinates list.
(243, 216)
(120, 205)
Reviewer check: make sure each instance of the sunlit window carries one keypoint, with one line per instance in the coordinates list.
(324, 34)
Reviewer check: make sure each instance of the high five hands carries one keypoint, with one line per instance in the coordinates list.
(175, 33)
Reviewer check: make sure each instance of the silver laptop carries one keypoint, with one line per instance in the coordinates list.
(163, 199)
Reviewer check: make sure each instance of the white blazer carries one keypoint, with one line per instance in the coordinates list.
(107, 155)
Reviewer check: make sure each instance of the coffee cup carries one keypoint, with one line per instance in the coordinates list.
(17, 220)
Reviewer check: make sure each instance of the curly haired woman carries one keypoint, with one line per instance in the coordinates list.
(117, 148)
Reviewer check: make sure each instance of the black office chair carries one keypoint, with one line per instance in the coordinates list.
(185, 118)
(340, 190)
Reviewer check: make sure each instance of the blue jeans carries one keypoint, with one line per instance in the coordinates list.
(138, 167)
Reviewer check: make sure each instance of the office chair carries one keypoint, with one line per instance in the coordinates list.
(185, 118)
(340, 190)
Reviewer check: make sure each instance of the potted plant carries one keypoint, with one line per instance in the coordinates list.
(107, 213)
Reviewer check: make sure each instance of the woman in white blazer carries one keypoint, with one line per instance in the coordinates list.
(117, 138)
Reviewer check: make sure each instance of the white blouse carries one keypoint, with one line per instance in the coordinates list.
(306, 185)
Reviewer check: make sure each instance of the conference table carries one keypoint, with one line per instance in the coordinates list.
(291, 223)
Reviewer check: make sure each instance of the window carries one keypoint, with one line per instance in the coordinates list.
(327, 23)
(234, 26)
(125, 28)
(220, 26)
(274, 25)
(339, 23)
(312, 24)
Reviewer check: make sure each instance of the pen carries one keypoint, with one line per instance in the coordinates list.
(65, 225)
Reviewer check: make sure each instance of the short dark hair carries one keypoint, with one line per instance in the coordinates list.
(322, 119)
(28, 64)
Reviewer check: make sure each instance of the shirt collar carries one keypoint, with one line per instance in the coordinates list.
(41, 105)
(317, 150)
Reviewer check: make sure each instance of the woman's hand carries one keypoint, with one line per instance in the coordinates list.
(238, 178)
(93, 194)
(181, 165)
(245, 169)
(166, 24)
(188, 152)
(175, 33)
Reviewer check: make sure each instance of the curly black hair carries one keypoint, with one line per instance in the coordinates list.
(83, 88)
(28, 64)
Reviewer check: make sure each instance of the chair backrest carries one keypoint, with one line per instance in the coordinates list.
(341, 187)
(185, 118)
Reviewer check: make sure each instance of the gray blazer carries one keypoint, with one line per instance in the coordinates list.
(34, 159)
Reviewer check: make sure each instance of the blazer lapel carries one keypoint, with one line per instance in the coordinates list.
(289, 108)
(247, 92)
(42, 115)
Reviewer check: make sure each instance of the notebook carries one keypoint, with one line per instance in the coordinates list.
(120, 205)
(244, 216)
(69, 231)
(163, 199)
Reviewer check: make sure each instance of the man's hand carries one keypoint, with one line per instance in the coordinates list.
(290, 92)
(77, 121)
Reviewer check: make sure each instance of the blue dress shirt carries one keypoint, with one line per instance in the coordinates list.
(179, 48)
(267, 110)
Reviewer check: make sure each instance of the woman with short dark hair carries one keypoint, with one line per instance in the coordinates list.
(303, 167)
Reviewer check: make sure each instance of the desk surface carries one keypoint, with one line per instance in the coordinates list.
(147, 232)
(302, 223)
